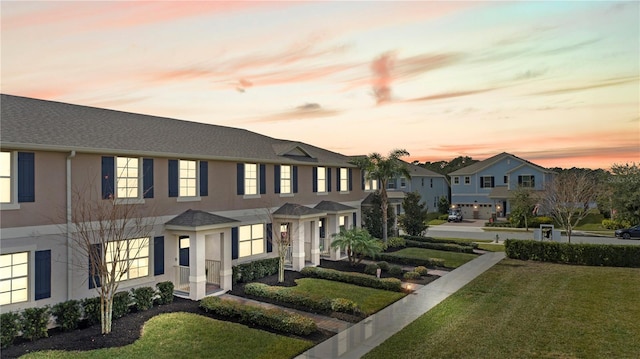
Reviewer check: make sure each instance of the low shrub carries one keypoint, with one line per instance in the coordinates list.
(395, 270)
(574, 253)
(361, 279)
(34, 322)
(143, 298)
(276, 319)
(441, 240)
(498, 224)
(411, 275)
(396, 242)
(246, 272)
(67, 314)
(165, 292)
(615, 224)
(10, 326)
(429, 262)
(450, 247)
(121, 304)
(421, 270)
(443, 217)
(535, 222)
(383, 265)
(345, 306)
(371, 268)
(91, 310)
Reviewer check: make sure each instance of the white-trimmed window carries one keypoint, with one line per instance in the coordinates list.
(251, 240)
(285, 179)
(528, 181)
(14, 278)
(6, 182)
(342, 221)
(322, 179)
(131, 253)
(370, 184)
(250, 178)
(127, 177)
(188, 178)
(344, 180)
(456, 180)
(486, 182)
(403, 182)
(467, 180)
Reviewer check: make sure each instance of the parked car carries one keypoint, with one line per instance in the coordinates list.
(455, 215)
(628, 233)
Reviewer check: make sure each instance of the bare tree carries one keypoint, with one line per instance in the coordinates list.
(113, 235)
(568, 198)
(282, 236)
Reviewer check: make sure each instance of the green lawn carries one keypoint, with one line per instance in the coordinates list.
(451, 259)
(492, 247)
(523, 309)
(370, 300)
(187, 335)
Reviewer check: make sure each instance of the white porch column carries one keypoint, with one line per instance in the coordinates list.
(197, 274)
(315, 243)
(226, 273)
(297, 247)
(333, 226)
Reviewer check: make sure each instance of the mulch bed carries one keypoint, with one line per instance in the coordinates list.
(127, 329)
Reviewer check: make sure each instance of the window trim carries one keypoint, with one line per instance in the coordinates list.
(467, 180)
(286, 180)
(456, 179)
(343, 183)
(27, 288)
(370, 184)
(403, 182)
(322, 189)
(251, 240)
(531, 181)
(13, 203)
(136, 258)
(483, 183)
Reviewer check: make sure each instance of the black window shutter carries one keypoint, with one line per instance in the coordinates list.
(363, 179)
(315, 179)
(350, 179)
(295, 179)
(481, 182)
(204, 178)
(263, 179)
(108, 177)
(493, 183)
(147, 177)
(354, 225)
(158, 255)
(234, 243)
(328, 179)
(173, 178)
(94, 274)
(240, 179)
(276, 178)
(26, 177)
(519, 180)
(269, 237)
(533, 181)
(338, 187)
(42, 274)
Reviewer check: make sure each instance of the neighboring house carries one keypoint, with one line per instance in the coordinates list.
(483, 189)
(214, 193)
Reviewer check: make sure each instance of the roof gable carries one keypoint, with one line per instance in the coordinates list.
(479, 166)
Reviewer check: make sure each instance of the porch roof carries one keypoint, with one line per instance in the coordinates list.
(297, 211)
(197, 220)
(333, 207)
(500, 192)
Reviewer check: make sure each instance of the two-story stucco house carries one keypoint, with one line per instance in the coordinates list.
(483, 189)
(214, 193)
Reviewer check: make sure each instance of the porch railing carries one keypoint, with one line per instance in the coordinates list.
(324, 246)
(182, 276)
(213, 271)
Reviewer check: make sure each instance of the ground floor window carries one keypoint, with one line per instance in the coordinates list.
(251, 240)
(130, 256)
(14, 277)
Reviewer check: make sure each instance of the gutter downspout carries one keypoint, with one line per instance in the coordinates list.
(69, 224)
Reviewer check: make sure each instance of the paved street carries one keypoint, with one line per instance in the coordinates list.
(473, 230)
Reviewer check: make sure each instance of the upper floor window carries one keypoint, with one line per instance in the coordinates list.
(14, 274)
(467, 180)
(370, 184)
(486, 182)
(527, 181)
(285, 179)
(127, 177)
(5, 177)
(344, 180)
(391, 184)
(250, 178)
(17, 178)
(129, 256)
(505, 179)
(456, 180)
(188, 178)
(251, 240)
(403, 182)
(322, 179)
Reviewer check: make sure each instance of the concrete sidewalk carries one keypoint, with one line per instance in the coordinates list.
(362, 337)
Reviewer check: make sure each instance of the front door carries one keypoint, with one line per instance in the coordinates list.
(184, 251)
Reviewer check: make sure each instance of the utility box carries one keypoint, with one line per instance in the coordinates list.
(546, 232)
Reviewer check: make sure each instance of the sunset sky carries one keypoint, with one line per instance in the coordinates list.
(556, 83)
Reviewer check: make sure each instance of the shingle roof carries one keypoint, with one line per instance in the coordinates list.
(421, 171)
(296, 210)
(29, 123)
(478, 166)
(330, 206)
(195, 218)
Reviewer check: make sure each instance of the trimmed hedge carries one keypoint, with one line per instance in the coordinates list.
(143, 298)
(445, 241)
(121, 304)
(67, 314)
(361, 279)
(276, 319)
(411, 275)
(431, 262)
(440, 246)
(574, 253)
(10, 326)
(35, 322)
(165, 292)
(315, 303)
(91, 310)
(247, 272)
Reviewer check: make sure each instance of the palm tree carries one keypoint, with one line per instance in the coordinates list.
(382, 169)
(357, 242)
